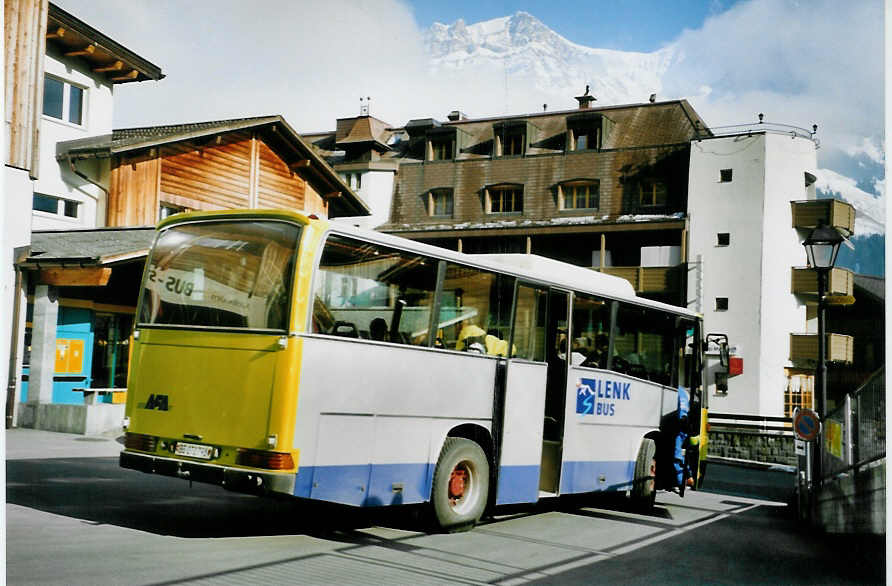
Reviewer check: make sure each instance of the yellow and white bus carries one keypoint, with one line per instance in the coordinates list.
(279, 353)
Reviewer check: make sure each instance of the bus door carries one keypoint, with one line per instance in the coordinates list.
(523, 400)
(556, 347)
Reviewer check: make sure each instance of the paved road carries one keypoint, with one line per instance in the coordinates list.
(77, 518)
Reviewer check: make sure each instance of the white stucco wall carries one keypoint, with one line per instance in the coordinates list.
(56, 179)
(787, 159)
(754, 270)
(377, 192)
(732, 271)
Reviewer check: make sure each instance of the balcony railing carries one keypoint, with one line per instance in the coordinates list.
(834, 212)
(805, 282)
(648, 279)
(804, 349)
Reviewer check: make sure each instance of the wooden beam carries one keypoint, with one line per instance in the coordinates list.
(132, 74)
(332, 195)
(57, 34)
(116, 66)
(75, 277)
(302, 164)
(88, 50)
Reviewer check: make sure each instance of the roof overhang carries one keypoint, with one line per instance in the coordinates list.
(106, 57)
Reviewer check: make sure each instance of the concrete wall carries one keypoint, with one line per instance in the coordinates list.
(82, 419)
(855, 502)
(57, 179)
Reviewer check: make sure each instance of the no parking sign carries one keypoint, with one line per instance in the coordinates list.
(806, 424)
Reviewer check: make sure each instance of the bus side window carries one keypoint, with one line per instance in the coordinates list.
(372, 292)
(529, 323)
(475, 311)
(591, 331)
(643, 344)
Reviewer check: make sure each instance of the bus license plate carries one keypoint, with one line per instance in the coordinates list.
(194, 451)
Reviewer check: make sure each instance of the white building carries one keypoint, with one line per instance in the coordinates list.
(742, 250)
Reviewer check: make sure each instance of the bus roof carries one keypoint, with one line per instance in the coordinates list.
(529, 266)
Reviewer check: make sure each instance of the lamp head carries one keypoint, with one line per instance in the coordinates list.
(822, 246)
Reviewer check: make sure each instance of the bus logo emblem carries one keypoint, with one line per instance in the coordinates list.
(158, 402)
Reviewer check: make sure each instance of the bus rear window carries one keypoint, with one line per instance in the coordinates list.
(234, 274)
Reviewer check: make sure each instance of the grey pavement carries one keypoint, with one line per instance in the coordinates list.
(28, 444)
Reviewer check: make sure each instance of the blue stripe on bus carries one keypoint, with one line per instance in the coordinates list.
(518, 484)
(366, 485)
(584, 476)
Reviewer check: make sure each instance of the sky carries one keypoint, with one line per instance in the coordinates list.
(801, 62)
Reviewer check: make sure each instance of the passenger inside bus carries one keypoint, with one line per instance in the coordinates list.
(378, 329)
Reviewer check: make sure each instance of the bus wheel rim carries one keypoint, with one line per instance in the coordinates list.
(460, 480)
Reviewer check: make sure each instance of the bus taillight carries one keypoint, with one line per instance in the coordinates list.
(261, 459)
(138, 441)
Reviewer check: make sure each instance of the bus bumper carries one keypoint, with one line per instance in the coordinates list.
(235, 479)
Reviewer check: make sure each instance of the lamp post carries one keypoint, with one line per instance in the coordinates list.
(821, 247)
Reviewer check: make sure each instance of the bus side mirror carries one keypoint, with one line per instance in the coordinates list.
(724, 354)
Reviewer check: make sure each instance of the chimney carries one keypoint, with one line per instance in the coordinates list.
(456, 115)
(585, 100)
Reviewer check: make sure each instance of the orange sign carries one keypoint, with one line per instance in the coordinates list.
(69, 356)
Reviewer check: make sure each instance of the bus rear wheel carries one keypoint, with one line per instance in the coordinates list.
(460, 485)
(644, 490)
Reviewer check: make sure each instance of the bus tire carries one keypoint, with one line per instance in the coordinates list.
(460, 485)
(644, 490)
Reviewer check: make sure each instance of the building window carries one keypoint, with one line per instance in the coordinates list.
(63, 101)
(353, 180)
(441, 150)
(721, 304)
(439, 203)
(652, 193)
(513, 145)
(723, 239)
(725, 175)
(579, 195)
(504, 199)
(55, 205)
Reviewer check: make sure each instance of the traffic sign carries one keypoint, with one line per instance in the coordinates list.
(806, 424)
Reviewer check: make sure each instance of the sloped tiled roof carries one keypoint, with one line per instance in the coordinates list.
(90, 246)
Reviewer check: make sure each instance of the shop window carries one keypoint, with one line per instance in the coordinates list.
(111, 345)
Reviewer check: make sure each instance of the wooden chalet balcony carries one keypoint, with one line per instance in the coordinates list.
(648, 279)
(805, 282)
(804, 349)
(833, 212)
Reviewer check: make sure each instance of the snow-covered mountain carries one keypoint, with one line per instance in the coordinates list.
(516, 64)
(528, 54)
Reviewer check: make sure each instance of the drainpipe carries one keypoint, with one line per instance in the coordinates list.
(85, 178)
(11, 398)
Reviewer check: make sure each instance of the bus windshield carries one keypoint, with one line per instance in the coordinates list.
(221, 275)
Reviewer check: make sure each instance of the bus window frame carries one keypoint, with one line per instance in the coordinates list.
(295, 257)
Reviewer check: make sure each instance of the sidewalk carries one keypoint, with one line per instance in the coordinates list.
(30, 444)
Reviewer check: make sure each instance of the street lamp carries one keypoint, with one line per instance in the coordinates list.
(821, 247)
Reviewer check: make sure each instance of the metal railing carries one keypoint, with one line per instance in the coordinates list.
(772, 127)
(855, 432)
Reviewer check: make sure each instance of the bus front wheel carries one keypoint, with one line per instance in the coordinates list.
(644, 491)
(460, 485)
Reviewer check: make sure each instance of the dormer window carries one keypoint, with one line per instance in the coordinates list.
(442, 149)
(587, 131)
(504, 199)
(652, 193)
(579, 194)
(440, 203)
(510, 138)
